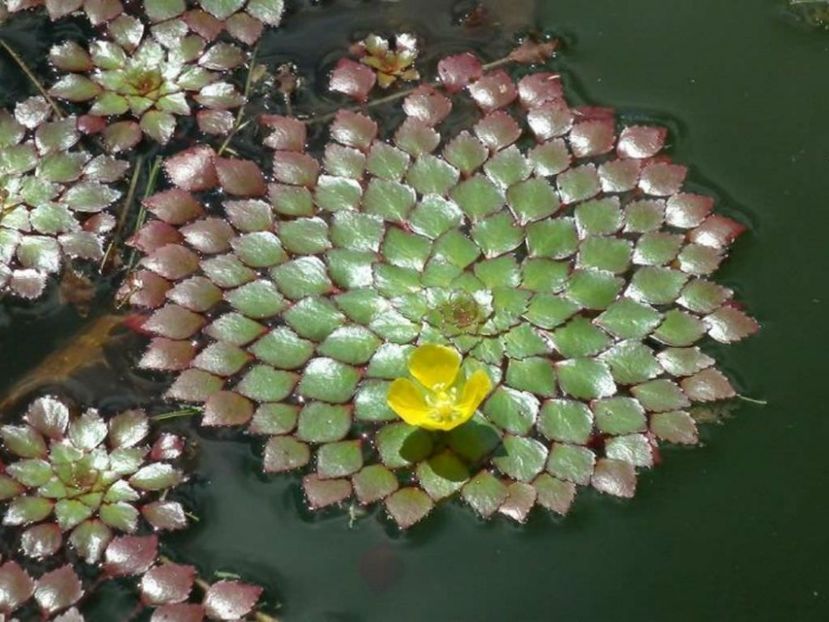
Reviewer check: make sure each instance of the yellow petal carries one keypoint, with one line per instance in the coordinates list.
(434, 366)
(477, 387)
(406, 399)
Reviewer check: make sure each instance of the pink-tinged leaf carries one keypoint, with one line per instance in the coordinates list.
(28, 284)
(16, 587)
(158, 125)
(193, 169)
(172, 261)
(216, 122)
(708, 385)
(167, 584)
(75, 88)
(520, 500)
(416, 138)
(194, 385)
(203, 24)
(240, 178)
(298, 169)
(181, 612)
(427, 105)
(167, 355)
(685, 211)
(174, 322)
(249, 216)
(154, 235)
(554, 494)
(58, 590)
(122, 136)
(197, 294)
(167, 447)
(662, 179)
(105, 169)
(539, 88)
(717, 231)
(230, 600)
(165, 515)
(245, 28)
(130, 555)
(321, 493)
(353, 129)
(456, 72)
(729, 324)
(534, 52)
(49, 416)
(497, 130)
(614, 477)
(595, 113)
(209, 236)
(41, 540)
(287, 133)
(352, 79)
(495, 90)
(285, 453)
(641, 141)
(91, 124)
(128, 428)
(221, 57)
(145, 289)
(550, 119)
(175, 206)
(71, 615)
(409, 506)
(99, 223)
(100, 11)
(675, 427)
(592, 138)
(226, 408)
(619, 175)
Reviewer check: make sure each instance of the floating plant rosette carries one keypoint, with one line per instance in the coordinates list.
(502, 314)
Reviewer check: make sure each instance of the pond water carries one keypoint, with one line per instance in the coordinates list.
(732, 530)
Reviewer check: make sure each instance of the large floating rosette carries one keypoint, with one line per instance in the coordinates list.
(552, 247)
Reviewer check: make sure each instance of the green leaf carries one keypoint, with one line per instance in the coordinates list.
(619, 415)
(593, 289)
(351, 269)
(556, 238)
(544, 275)
(497, 234)
(579, 338)
(524, 341)
(121, 516)
(485, 493)
(660, 396)
(257, 300)
(357, 231)
(456, 248)
(508, 167)
(328, 380)
(401, 445)
(70, 513)
(631, 362)
(514, 411)
(674, 427)
(632, 448)
(500, 272)
(227, 271)
(550, 158)
(371, 402)
(390, 200)
(283, 349)
(548, 310)
(387, 162)
(628, 319)
(432, 175)
(644, 216)
(571, 463)
(434, 216)
(263, 383)
(323, 423)
(532, 200)
(23, 441)
(335, 194)
(442, 475)
(284, 453)
(599, 217)
(32, 473)
(478, 197)
(601, 253)
(680, 329)
(534, 374)
(305, 276)
(408, 506)
(274, 419)
(305, 236)
(234, 328)
(314, 318)
(520, 458)
(155, 477)
(657, 248)
(339, 459)
(374, 483)
(578, 183)
(585, 378)
(554, 494)
(656, 285)
(568, 421)
(350, 344)
(361, 305)
(406, 250)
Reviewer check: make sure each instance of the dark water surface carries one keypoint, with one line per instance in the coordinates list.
(733, 530)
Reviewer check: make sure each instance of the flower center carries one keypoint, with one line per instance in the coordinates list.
(145, 81)
(443, 404)
(461, 312)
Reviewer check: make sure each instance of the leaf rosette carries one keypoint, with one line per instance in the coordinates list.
(83, 479)
(54, 196)
(552, 247)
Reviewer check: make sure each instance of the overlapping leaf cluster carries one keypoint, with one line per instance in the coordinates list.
(54, 196)
(553, 248)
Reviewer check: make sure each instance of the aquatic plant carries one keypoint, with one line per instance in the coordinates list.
(54, 196)
(554, 249)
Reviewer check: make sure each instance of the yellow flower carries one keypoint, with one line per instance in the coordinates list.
(438, 400)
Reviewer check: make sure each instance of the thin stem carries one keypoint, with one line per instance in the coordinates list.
(176, 414)
(238, 124)
(122, 217)
(149, 188)
(752, 400)
(30, 74)
(401, 94)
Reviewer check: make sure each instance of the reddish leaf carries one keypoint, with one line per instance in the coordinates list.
(352, 79)
(662, 178)
(58, 590)
(614, 477)
(172, 261)
(298, 169)
(153, 236)
(353, 129)
(181, 612)
(193, 169)
(324, 492)
(641, 141)
(550, 119)
(688, 210)
(215, 122)
(165, 515)
(532, 52)
(456, 72)
(41, 540)
(591, 138)
(729, 324)
(49, 416)
(175, 206)
(130, 555)
(167, 584)
(230, 600)
(174, 322)
(145, 289)
(226, 408)
(540, 88)
(619, 175)
(16, 586)
(498, 130)
(194, 385)
(167, 447)
(209, 235)
(167, 355)
(287, 133)
(717, 231)
(494, 90)
(197, 294)
(204, 24)
(427, 105)
(240, 177)
(520, 500)
(707, 386)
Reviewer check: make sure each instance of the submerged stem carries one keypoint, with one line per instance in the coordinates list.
(240, 116)
(176, 414)
(752, 400)
(122, 217)
(30, 74)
